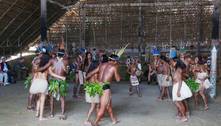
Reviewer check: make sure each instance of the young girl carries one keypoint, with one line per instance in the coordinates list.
(180, 90)
(39, 84)
(202, 79)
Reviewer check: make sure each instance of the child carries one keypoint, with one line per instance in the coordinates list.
(133, 79)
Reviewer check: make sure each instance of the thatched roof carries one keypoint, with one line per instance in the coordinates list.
(20, 22)
(100, 22)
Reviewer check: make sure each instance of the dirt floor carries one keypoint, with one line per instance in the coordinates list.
(130, 110)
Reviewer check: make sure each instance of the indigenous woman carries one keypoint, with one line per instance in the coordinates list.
(31, 97)
(79, 75)
(195, 71)
(202, 79)
(39, 84)
(94, 101)
(180, 90)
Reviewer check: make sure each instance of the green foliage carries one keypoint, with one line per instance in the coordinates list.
(127, 77)
(93, 88)
(28, 81)
(63, 88)
(58, 86)
(193, 85)
(70, 77)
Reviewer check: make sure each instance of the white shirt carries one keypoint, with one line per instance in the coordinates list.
(139, 66)
(5, 68)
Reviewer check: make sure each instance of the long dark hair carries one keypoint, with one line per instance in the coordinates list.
(44, 60)
(86, 61)
(179, 63)
(104, 58)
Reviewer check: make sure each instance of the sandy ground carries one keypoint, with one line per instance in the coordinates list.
(130, 110)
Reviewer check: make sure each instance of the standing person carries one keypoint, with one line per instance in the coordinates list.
(202, 79)
(35, 63)
(166, 78)
(158, 67)
(106, 71)
(59, 67)
(139, 69)
(132, 68)
(4, 72)
(128, 61)
(151, 73)
(39, 85)
(89, 65)
(180, 90)
(79, 75)
(74, 68)
(1, 74)
(195, 69)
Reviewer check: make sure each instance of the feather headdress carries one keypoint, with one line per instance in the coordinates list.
(120, 52)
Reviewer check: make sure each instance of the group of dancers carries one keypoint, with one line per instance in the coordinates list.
(54, 66)
(44, 68)
(171, 72)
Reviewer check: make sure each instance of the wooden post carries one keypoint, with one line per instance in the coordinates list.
(43, 19)
(140, 29)
(214, 52)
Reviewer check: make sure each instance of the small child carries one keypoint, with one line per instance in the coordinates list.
(133, 79)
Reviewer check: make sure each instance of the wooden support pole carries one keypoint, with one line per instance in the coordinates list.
(43, 20)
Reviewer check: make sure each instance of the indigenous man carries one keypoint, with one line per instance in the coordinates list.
(158, 67)
(106, 71)
(166, 78)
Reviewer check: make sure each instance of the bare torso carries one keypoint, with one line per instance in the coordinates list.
(177, 76)
(165, 69)
(38, 75)
(59, 66)
(106, 72)
(132, 69)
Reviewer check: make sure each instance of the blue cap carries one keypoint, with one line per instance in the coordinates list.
(155, 52)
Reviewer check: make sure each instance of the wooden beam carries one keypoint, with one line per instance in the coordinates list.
(12, 5)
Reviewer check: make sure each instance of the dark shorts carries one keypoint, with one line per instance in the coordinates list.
(106, 86)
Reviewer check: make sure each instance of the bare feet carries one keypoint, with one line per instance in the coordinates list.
(206, 108)
(159, 99)
(63, 117)
(94, 124)
(52, 116)
(115, 122)
(37, 114)
(183, 119)
(42, 119)
(130, 93)
(188, 115)
(88, 123)
(30, 108)
(178, 117)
